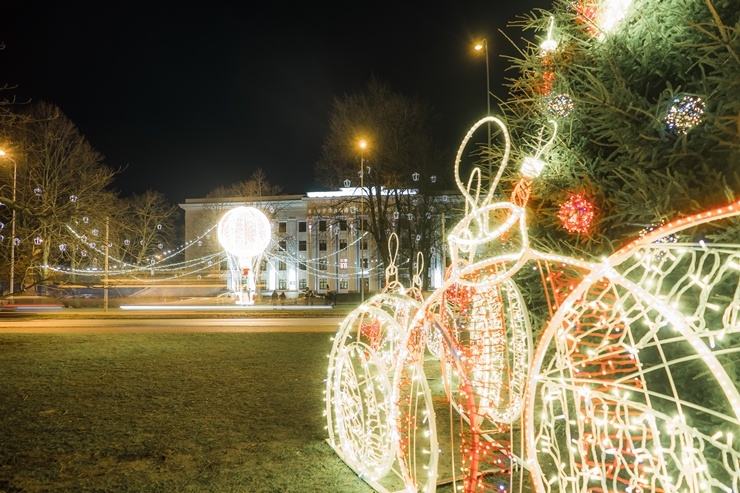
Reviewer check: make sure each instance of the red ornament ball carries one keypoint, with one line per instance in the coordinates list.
(577, 214)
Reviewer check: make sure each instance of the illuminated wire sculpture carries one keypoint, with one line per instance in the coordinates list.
(384, 432)
(632, 386)
(244, 232)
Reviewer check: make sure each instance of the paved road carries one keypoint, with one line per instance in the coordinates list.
(123, 325)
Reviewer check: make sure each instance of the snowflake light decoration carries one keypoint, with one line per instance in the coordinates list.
(685, 113)
(577, 214)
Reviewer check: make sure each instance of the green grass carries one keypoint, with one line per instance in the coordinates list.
(217, 412)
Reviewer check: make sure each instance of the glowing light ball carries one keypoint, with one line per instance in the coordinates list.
(684, 114)
(560, 106)
(244, 232)
(577, 214)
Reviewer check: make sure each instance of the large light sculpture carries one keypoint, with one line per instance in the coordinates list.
(632, 386)
(244, 232)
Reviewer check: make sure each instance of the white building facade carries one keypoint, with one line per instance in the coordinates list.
(317, 243)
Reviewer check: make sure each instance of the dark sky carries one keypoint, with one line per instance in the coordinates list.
(189, 96)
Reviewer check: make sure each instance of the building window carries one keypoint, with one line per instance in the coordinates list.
(302, 265)
(282, 285)
(323, 284)
(343, 284)
(322, 225)
(343, 263)
(342, 244)
(364, 244)
(365, 263)
(282, 227)
(322, 264)
(342, 225)
(283, 245)
(301, 226)
(322, 245)
(301, 245)
(302, 284)
(281, 265)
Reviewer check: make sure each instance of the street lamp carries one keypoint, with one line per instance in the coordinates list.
(363, 145)
(12, 226)
(482, 45)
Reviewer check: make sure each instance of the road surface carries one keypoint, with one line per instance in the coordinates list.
(24, 325)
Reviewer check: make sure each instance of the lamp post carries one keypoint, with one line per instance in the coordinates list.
(483, 45)
(363, 145)
(12, 226)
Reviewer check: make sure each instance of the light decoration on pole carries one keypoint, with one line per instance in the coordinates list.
(626, 390)
(685, 113)
(244, 232)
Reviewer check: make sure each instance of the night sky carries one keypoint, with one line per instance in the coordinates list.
(184, 98)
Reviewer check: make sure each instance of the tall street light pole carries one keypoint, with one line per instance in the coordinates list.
(363, 145)
(12, 226)
(483, 46)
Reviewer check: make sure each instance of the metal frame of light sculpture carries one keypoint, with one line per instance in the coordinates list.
(244, 232)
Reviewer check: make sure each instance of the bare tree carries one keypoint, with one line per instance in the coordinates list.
(400, 146)
(61, 183)
(145, 228)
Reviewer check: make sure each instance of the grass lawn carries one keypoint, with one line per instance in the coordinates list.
(158, 412)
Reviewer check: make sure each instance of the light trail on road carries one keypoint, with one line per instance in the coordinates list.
(169, 325)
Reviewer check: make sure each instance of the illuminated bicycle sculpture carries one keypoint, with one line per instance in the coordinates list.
(630, 387)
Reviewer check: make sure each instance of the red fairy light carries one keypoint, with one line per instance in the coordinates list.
(577, 214)
(586, 12)
(547, 79)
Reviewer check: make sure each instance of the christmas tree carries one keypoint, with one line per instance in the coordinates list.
(645, 98)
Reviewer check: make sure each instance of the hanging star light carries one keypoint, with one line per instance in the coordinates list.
(577, 214)
(685, 113)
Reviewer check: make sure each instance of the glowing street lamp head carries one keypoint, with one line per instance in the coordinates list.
(479, 45)
(363, 144)
(244, 232)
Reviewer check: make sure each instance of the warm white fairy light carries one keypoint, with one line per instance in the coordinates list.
(549, 44)
(612, 13)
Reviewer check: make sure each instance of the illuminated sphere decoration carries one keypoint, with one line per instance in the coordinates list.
(685, 113)
(560, 105)
(244, 232)
(577, 214)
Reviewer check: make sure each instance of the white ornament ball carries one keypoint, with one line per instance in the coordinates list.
(244, 232)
